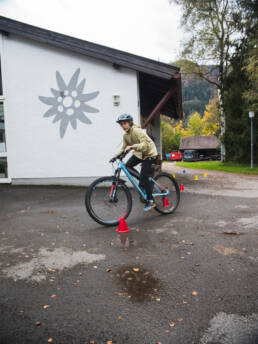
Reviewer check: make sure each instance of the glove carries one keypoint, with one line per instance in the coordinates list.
(112, 160)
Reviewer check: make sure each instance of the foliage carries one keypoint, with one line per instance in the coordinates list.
(220, 166)
(195, 125)
(196, 92)
(251, 70)
(211, 118)
(241, 90)
(211, 30)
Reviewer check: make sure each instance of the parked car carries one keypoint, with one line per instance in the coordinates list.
(191, 155)
(174, 156)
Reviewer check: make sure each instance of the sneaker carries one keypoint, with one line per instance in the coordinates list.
(150, 205)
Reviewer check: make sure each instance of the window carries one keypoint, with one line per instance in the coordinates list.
(3, 168)
(2, 129)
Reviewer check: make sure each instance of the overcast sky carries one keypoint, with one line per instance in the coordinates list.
(148, 28)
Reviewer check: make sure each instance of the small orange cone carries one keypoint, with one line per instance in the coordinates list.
(182, 187)
(165, 202)
(122, 228)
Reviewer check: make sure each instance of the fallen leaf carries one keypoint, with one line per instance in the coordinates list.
(119, 318)
(171, 324)
(50, 340)
(95, 267)
(50, 212)
(194, 292)
(231, 233)
(185, 302)
(109, 342)
(127, 272)
(226, 251)
(129, 278)
(179, 319)
(46, 306)
(37, 323)
(108, 270)
(53, 296)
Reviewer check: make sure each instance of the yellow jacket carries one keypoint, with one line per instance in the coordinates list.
(142, 144)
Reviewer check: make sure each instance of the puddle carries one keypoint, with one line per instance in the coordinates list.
(139, 283)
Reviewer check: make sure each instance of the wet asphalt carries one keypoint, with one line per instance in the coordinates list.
(189, 277)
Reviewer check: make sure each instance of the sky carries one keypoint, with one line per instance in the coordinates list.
(149, 28)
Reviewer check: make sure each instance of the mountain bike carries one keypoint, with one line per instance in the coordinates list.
(108, 198)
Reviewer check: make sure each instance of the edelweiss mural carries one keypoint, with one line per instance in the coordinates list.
(68, 104)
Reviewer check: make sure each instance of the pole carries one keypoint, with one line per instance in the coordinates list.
(252, 143)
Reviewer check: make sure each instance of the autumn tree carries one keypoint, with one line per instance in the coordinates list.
(211, 118)
(211, 37)
(195, 125)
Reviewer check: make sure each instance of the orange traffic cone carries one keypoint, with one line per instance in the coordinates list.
(122, 228)
(182, 187)
(165, 202)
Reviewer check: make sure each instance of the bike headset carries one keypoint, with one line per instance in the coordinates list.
(125, 117)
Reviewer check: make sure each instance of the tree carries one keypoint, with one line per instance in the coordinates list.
(211, 118)
(212, 35)
(194, 127)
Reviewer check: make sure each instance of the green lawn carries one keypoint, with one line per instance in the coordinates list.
(220, 166)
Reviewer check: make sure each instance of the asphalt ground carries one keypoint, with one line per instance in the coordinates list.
(189, 277)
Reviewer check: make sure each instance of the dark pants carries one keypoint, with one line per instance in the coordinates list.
(144, 174)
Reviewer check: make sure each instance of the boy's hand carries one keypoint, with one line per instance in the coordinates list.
(112, 160)
(128, 148)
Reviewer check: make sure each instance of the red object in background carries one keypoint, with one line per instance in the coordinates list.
(182, 187)
(165, 202)
(175, 156)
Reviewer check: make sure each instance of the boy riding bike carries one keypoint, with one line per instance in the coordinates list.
(145, 152)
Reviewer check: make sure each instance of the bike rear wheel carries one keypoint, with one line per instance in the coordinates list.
(101, 207)
(166, 204)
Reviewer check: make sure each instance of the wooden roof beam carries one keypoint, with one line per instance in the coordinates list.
(160, 105)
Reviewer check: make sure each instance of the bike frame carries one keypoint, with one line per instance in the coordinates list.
(121, 166)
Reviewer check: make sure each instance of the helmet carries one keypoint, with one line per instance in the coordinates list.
(124, 117)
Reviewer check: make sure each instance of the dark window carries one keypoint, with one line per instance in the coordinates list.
(3, 168)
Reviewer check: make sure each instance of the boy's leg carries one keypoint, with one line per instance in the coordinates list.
(144, 177)
(133, 161)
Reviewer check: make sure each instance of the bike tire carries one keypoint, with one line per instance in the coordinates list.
(173, 198)
(98, 186)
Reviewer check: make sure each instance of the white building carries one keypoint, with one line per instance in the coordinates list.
(60, 97)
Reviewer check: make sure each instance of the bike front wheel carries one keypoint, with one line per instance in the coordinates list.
(164, 183)
(105, 209)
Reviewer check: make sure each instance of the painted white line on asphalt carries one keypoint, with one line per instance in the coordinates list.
(232, 328)
(57, 259)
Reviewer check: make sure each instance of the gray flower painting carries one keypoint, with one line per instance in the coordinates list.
(69, 103)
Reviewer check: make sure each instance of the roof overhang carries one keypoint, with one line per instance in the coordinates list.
(162, 76)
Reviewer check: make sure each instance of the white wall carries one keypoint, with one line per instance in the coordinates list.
(35, 148)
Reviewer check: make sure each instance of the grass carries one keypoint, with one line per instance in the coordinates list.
(221, 166)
